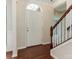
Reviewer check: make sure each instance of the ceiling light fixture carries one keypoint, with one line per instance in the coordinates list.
(33, 7)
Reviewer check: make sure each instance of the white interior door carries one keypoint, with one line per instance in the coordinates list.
(33, 28)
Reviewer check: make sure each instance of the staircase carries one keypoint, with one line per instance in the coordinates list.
(61, 35)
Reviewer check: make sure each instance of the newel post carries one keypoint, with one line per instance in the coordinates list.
(51, 35)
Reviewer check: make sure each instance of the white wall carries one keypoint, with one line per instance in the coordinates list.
(9, 25)
(47, 22)
(46, 16)
(20, 16)
(58, 2)
(14, 40)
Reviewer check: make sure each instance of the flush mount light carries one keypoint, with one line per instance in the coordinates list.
(33, 7)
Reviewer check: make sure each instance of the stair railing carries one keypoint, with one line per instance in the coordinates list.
(61, 31)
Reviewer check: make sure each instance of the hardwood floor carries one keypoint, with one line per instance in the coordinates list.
(36, 52)
(8, 55)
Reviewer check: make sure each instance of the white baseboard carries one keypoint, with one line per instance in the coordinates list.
(8, 50)
(54, 57)
(44, 43)
(21, 47)
(17, 48)
(14, 55)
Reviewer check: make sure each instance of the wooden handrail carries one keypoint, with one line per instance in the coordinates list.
(63, 16)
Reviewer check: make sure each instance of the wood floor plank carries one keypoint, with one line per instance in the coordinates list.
(36, 52)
